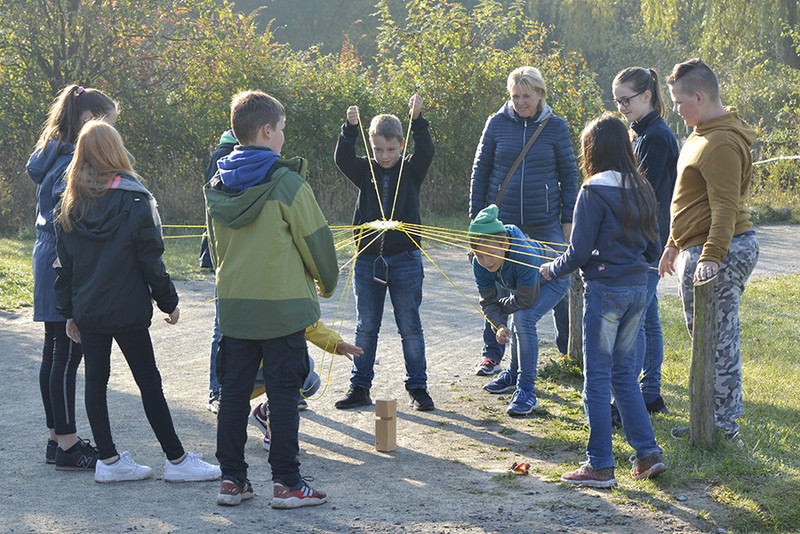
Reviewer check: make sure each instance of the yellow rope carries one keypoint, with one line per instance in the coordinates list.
(369, 162)
(402, 162)
(448, 279)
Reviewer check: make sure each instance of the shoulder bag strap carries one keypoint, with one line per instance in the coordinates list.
(519, 160)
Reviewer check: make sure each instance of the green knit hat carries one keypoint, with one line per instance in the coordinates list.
(486, 222)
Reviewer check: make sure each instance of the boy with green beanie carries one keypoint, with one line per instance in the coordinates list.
(505, 256)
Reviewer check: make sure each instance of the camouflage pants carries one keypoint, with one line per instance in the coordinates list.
(733, 273)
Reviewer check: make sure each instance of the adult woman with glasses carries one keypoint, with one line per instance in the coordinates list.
(539, 195)
(637, 94)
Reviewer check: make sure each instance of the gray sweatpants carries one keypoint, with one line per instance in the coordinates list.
(733, 273)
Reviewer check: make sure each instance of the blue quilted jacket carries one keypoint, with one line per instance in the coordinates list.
(545, 184)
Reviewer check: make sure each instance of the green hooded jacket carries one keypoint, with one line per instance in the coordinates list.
(271, 246)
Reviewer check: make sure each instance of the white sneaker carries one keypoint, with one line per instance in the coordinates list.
(191, 469)
(123, 469)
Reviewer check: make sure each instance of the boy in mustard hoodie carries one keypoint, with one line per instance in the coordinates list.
(711, 233)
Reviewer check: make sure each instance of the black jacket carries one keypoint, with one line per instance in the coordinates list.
(368, 209)
(110, 267)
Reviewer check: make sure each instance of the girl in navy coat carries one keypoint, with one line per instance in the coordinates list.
(637, 93)
(614, 239)
(72, 107)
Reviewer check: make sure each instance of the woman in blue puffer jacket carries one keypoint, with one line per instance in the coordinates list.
(540, 195)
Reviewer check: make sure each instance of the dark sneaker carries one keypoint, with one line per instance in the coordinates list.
(302, 404)
(260, 420)
(488, 367)
(650, 466)
(522, 403)
(231, 493)
(356, 396)
(586, 475)
(616, 418)
(79, 457)
(213, 402)
(679, 432)
(50, 452)
(656, 406)
(502, 383)
(284, 497)
(420, 400)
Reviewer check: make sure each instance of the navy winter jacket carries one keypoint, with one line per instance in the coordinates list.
(599, 245)
(544, 186)
(110, 266)
(368, 207)
(46, 168)
(657, 151)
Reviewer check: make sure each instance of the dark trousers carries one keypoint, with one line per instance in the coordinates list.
(285, 366)
(138, 351)
(60, 360)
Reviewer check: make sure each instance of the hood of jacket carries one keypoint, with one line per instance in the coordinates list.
(228, 138)
(104, 218)
(508, 111)
(42, 161)
(239, 209)
(246, 166)
(729, 123)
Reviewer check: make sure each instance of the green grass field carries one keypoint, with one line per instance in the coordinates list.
(756, 484)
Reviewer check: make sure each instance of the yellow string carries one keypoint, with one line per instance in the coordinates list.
(402, 162)
(369, 162)
(448, 279)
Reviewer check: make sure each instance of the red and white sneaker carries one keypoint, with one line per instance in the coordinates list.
(260, 419)
(305, 495)
(231, 493)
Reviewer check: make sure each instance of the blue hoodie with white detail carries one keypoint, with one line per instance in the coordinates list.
(599, 246)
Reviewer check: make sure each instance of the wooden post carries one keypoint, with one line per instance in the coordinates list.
(385, 424)
(575, 344)
(702, 428)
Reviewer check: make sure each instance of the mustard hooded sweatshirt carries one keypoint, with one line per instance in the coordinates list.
(714, 172)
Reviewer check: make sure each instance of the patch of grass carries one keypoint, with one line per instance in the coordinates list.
(506, 431)
(182, 254)
(507, 480)
(16, 275)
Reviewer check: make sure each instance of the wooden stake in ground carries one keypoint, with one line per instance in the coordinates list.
(702, 428)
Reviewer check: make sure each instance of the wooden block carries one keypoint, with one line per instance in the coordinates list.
(386, 408)
(385, 434)
(385, 424)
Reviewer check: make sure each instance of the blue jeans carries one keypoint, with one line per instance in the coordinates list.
(285, 367)
(404, 282)
(612, 318)
(650, 342)
(213, 383)
(525, 338)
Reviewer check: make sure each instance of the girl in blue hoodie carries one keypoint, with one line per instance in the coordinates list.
(614, 239)
(72, 107)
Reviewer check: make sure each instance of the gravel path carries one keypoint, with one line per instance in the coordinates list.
(444, 477)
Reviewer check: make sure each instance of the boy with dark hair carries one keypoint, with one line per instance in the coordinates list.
(711, 233)
(270, 244)
(393, 260)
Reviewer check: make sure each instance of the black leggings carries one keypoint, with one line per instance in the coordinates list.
(138, 351)
(60, 360)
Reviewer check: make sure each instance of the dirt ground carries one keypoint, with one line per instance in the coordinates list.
(443, 477)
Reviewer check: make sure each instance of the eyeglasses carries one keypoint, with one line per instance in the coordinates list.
(625, 101)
